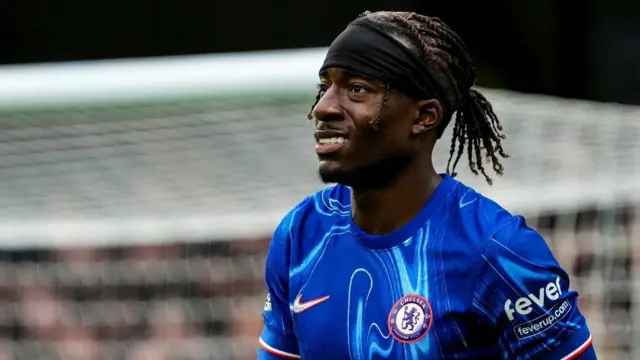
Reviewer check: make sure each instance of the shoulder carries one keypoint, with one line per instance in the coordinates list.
(496, 231)
(503, 241)
(480, 216)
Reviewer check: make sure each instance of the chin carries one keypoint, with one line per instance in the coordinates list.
(330, 172)
(361, 178)
(379, 174)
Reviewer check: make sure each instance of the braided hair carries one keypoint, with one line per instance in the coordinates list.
(442, 52)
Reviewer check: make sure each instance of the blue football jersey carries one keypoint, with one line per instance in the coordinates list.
(464, 279)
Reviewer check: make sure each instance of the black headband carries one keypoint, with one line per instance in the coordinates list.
(364, 49)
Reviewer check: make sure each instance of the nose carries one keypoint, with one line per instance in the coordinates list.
(329, 106)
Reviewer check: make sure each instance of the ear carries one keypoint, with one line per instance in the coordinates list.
(428, 116)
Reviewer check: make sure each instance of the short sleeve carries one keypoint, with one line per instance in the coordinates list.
(278, 339)
(524, 294)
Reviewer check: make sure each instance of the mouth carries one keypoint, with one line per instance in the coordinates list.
(329, 141)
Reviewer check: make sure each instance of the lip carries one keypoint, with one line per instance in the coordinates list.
(328, 134)
(325, 149)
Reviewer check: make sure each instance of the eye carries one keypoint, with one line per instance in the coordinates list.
(322, 88)
(358, 88)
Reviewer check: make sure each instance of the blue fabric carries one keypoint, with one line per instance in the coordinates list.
(465, 279)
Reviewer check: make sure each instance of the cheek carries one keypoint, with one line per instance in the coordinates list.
(394, 123)
(361, 115)
(395, 133)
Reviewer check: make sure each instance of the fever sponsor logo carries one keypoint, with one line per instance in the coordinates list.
(524, 305)
(543, 322)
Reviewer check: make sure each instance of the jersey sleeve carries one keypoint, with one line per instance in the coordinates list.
(278, 339)
(523, 293)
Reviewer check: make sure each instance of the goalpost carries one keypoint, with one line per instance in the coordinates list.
(146, 190)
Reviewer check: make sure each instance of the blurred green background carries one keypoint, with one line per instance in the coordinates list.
(581, 49)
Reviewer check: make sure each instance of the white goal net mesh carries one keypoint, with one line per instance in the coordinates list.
(137, 199)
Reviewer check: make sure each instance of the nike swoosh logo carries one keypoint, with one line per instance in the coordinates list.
(300, 307)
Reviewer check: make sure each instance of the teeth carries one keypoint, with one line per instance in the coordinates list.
(333, 140)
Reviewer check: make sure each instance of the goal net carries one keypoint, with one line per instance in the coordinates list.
(138, 197)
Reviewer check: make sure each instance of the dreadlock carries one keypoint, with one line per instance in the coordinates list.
(442, 52)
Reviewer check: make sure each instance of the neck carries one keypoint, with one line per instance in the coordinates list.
(383, 210)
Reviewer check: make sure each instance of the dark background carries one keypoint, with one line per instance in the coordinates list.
(572, 48)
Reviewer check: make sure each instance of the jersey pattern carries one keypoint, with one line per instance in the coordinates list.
(464, 279)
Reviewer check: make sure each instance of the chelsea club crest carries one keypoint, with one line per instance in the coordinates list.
(410, 319)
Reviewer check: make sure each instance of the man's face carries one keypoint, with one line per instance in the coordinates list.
(352, 151)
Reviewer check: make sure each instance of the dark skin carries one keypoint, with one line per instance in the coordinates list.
(405, 132)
